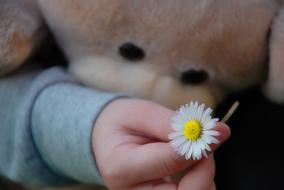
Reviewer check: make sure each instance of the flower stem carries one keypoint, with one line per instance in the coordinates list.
(230, 112)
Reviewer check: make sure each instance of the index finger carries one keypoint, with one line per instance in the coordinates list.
(151, 119)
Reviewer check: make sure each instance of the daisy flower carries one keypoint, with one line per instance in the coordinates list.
(193, 131)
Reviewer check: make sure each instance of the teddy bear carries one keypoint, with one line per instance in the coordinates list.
(21, 30)
(167, 51)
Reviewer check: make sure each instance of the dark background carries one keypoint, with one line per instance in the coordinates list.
(252, 158)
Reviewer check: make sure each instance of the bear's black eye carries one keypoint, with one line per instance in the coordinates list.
(131, 52)
(194, 77)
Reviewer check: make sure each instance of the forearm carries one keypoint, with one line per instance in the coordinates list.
(46, 123)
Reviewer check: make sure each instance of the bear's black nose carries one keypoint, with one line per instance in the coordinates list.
(194, 77)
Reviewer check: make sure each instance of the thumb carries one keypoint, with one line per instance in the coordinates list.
(158, 160)
(200, 177)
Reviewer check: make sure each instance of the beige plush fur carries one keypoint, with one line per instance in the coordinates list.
(274, 86)
(226, 38)
(20, 31)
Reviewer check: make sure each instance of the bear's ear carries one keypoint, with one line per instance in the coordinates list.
(274, 86)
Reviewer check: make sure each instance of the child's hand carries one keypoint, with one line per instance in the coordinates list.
(131, 145)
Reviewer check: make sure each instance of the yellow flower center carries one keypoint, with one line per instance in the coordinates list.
(192, 130)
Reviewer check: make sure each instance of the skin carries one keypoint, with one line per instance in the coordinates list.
(136, 153)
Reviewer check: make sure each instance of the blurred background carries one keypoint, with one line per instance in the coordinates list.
(252, 158)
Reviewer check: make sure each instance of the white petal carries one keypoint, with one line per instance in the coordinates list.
(185, 148)
(207, 147)
(206, 122)
(178, 125)
(196, 151)
(193, 145)
(204, 153)
(210, 124)
(190, 116)
(213, 140)
(201, 144)
(207, 113)
(211, 133)
(193, 153)
(199, 152)
(176, 143)
(194, 110)
(195, 105)
(206, 139)
(216, 119)
(185, 111)
(204, 144)
(176, 128)
(177, 119)
(184, 108)
(199, 157)
(175, 135)
(199, 112)
(189, 153)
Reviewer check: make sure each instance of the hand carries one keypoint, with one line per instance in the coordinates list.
(131, 146)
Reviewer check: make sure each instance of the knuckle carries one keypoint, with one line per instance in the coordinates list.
(112, 174)
(173, 165)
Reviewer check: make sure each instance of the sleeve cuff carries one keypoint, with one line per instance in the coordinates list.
(62, 119)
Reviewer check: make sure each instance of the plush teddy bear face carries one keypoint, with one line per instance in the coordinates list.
(168, 51)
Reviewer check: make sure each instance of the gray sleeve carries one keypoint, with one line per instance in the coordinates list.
(46, 120)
